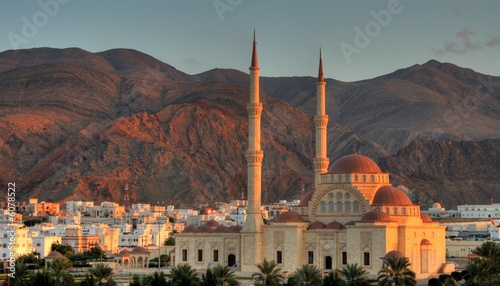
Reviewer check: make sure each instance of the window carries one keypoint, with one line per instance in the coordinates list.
(366, 258)
(348, 207)
(344, 257)
(339, 207)
(364, 178)
(38, 244)
(216, 255)
(355, 178)
(404, 211)
(355, 205)
(184, 255)
(322, 207)
(4, 245)
(330, 207)
(279, 257)
(395, 210)
(200, 255)
(310, 257)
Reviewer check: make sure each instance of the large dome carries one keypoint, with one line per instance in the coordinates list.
(388, 195)
(354, 163)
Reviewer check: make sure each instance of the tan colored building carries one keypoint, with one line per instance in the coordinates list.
(353, 215)
(42, 208)
(80, 243)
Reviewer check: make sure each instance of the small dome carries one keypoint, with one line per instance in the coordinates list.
(335, 225)
(436, 206)
(305, 200)
(388, 195)
(425, 242)
(124, 252)
(354, 163)
(190, 229)
(205, 228)
(316, 225)
(235, 228)
(425, 217)
(54, 255)
(139, 249)
(212, 223)
(222, 228)
(376, 216)
(289, 216)
(394, 253)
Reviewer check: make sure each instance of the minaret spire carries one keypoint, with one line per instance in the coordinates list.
(321, 160)
(255, 61)
(251, 234)
(321, 77)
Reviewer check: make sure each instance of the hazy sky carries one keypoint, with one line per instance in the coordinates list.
(359, 39)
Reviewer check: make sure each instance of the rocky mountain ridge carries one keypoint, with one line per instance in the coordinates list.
(76, 125)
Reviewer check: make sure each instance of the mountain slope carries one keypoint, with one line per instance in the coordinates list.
(79, 125)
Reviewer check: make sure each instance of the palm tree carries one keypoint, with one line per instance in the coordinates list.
(102, 273)
(224, 275)
(333, 279)
(308, 275)
(269, 273)
(89, 280)
(488, 249)
(396, 272)
(20, 274)
(354, 275)
(485, 269)
(60, 273)
(184, 275)
(158, 279)
(43, 278)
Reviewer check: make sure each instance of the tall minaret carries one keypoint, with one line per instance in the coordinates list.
(321, 160)
(252, 228)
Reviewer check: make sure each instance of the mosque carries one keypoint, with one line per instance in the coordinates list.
(353, 215)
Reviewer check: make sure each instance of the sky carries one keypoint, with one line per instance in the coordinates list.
(359, 39)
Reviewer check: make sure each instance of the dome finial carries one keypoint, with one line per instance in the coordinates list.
(354, 150)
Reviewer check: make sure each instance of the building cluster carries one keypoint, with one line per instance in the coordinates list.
(132, 235)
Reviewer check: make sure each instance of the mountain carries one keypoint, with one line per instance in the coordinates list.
(76, 125)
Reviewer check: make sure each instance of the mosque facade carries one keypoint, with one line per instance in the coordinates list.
(353, 215)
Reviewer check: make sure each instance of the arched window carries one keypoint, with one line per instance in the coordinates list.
(372, 178)
(387, 211)
(364, 178)
(347, 178)
(355, 206)
(322, 207)
(330, 207)
(347, 207)
(355, 178)
(339, 207)
(395, 211)
(4, 245)
(339, 178)
(404, 211)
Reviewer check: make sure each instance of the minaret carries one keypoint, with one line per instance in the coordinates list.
(252, 228)
(321, 160)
